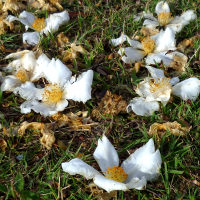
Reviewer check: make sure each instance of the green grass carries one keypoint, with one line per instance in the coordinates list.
(39, 175)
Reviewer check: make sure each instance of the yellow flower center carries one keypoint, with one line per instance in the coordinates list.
(52, 94)
(39, 24)
(22, 75)
(148, 45)
(160, 84)
(116, 173)
(164, 18)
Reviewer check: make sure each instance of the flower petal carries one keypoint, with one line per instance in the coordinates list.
(180, 21)
(56, 72)
(187, 89)
(80, 89)
(25, 18)
(161, 7)
(61, 105)
(173, 81)
(144, 162)
(31, 38)
(157, 58)
(10, 83)
(155, 73)
(123, 38)
(150, 23)
(131, 54)
(137, 183)
(142, 107)
(54, 21)
(108, 184)
(146, 15)
(165, 40)
(42, 108)
(41, 66)
(105, 154)
(77, 166)
(28, 91)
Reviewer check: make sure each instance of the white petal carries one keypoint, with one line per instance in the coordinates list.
(164, 41)
(155, 73)
(157, 58)
(142, 107)
(56, 72)
(187, 89)
(42, 108)
(28, 91)
(10, 83)
(105, 154)
(25, 59)
(173, 81)
(119, 41)
(41, 66)
(61, 105)
(146, 15)
(161, 7)
(25, 18)
(54, 21)
(80, 89)
(137, 183)
(180, 21)
(108, 184)
(150, 23)
(31, 38)
(131, 54)
(77, 166)
(144, 162)
(123, 38)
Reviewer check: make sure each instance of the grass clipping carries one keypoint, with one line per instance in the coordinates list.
(47, 139)
(159, 130)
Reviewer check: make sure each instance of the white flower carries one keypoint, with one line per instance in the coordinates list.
(22, 68)
(187, 89)
(141, 166)
(165, 19)
(152, 90)
(40, 25)
(55, 95)
(156, 45)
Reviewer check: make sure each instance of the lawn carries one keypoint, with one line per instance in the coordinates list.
(30, 171)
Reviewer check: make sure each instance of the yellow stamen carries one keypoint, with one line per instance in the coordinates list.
(22, 75)
(52, 94)
(116, 173)
(164, 18)
(159, 85)
(39, 24)
(148, 45)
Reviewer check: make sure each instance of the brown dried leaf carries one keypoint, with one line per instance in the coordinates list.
(148, 31)
(187, 43)
(101, 194)
(47, 139)
(72, 53)
(159, 130)
(111, 104)
(77, 122)
(5, 25)
(62, 40)
(137, 66)
(179, 64)
(3, 144)
(13, 6)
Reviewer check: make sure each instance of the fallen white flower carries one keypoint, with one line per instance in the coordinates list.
(60, 88)
(141, 166)
(40, 25)
(188, 89)
(22, 68)
(156, 48)
(165, 19)
(152, 90)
